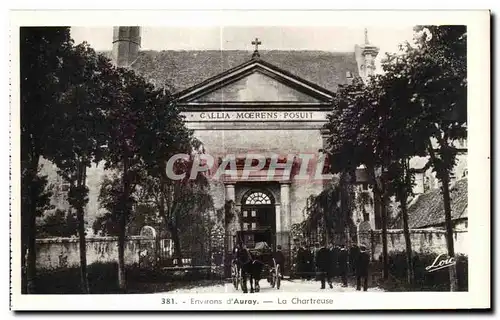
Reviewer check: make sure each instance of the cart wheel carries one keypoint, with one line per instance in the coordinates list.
(272, 275)
(235, 276)
(278, 277)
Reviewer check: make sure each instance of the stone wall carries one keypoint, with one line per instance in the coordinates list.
(58, 253)
(424, 240)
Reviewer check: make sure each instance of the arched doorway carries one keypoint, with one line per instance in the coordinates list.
(258, 218)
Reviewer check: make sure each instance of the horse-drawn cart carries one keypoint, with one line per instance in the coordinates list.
(272, 270)
(263, 265)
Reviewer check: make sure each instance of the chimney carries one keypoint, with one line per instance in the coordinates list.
(126, 45)
(365, 56)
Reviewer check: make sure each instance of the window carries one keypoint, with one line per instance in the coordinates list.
(254, 225)
(254, 213)
(245, 226)
(258, 198)
(245, 214)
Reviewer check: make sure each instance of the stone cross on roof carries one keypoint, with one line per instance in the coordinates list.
(256, 43)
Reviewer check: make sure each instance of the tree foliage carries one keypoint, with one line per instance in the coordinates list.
(110, 195)
(416, 108)
(43, 54)
(78, 109)
(42, 192)
(61, 223)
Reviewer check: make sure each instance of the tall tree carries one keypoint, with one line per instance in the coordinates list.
(324, 212)
(435, 73)
(110, 196)
(181, 200)
(356, 137)
(128, 94)
(401, 183)
(163, 136)
(417, 108)
(61, 223)
(371, 125)
(43, 52)
(82, 133)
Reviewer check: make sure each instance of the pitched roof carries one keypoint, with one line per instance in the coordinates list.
(428, 208)
(245, 71)
(179, 70)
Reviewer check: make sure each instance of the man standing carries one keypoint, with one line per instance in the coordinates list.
(343, 257)
(353, 258)
(317, 247)
(362, 265)
(323, 263)
(333, 259)
(310, 262)
(279, 257)
(302, 261)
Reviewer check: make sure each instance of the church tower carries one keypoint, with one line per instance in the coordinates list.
(126, 45)
(365, 56)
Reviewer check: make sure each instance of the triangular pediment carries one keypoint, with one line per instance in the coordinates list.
(255, 81)
(256, 87)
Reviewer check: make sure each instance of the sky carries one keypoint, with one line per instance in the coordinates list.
(329, 38)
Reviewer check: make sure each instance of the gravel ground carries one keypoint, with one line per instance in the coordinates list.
(286, 286)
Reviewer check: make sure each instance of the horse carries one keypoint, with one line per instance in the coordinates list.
(250, 268)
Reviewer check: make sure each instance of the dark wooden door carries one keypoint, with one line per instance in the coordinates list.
(259, 224)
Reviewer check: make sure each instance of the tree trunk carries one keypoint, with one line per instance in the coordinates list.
(344, 207)
(25, 209)
(24, 251)
(385, 256)
(406, 229)
(442, 175)
(122, 218)
(84, 282)
(177, 245)
(122, 283)
(31, 228)
(449, 232)
(83, 251)
(31, 260)
(380, 192)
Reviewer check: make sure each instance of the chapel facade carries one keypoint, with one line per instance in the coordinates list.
(267, 103)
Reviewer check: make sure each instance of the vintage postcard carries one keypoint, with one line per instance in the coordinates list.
(259, 160)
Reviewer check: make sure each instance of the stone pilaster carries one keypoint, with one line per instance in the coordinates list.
(232, 226)
(286, 213)
(230, 194)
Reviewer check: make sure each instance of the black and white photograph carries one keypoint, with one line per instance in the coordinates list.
(250, 167)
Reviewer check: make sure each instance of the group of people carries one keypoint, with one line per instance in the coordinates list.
(325, 263)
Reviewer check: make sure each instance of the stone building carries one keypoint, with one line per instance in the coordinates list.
(271, 103)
